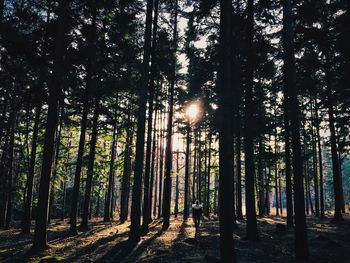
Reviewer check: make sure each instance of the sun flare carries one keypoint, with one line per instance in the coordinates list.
(193, 111)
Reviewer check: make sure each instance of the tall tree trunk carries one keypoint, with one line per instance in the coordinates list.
(280, 195)
(187, 171)
(54, 172)
(287, 157)
(301, 243)
(199, 167)
(194, 168)
(176, 208)
(239, 172)
(153, 168)
(108, 201)
(10, 169)
(90, 170)
(168, 148)
(208, 177)
(40, 238)
(156, 142)
(320, 160)
(3, 178)
(337, 180)
(161, 167)
(226, 194)
(64, 183)
(276, 176)
(252, 230)
(261, 178)
(125, 185)
(314, 163)
(146, 194)
(83, 127)
(3, 114)
(27, 213)
(134, 233)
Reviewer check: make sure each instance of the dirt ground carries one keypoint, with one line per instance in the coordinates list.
(106, 242)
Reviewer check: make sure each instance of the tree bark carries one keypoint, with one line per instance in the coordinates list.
(147, 193)
(83, 126)
(226, 191)
(134, 233)
(10, 169)
(337, 184)
(252, 230)
(289, 73)
(90, 170)
(168, 149)
(27, 213)
(108, 201)
(320, 160)
(40, 238)
(187, 171)
(287, 157)
(125, 186)
(54, 172)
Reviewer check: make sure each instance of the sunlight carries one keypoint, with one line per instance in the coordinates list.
(193, 111)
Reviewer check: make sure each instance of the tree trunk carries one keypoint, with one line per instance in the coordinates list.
(134, 233)
(208, 178)
(161, 168)
(287, 157)
(337, 185)
(168, 149)
(83, 127)
(194, 168)
(54, 172)
(156, 165)
(276, 176)
(90, 170)
(27, 213)
(289, 73)
(252, 230)
(320, 160)
(261, 178)
(10, 157)
(108, 201)
(314, 164)
(147, 193)
(153, 168)
(187, 171)
(125, 185)
(226, 191)
(40, 238)
(239, 173)
(176, 208)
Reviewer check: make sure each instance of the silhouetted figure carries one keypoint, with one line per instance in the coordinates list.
(197, 210)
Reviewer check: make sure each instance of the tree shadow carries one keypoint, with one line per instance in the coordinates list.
(124, 248)
(94, 246)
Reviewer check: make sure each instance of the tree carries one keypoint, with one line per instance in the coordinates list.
(168, 147)
(252, 231)
(225, 135)
(40, 238)
(301, 244)
(134, 234)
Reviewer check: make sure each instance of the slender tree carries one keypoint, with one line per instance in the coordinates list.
(40, 238)
(168, 148)
(289, 74)
(252, 230)
(27, 215)
(134, 234)
(226, 196)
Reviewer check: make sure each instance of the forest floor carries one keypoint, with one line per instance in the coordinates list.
(106, 242)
